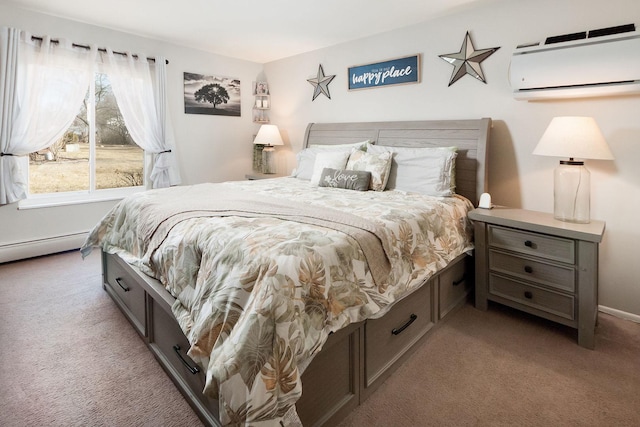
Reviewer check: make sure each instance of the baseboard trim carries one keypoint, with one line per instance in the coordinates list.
(32, 248)
(619, 313)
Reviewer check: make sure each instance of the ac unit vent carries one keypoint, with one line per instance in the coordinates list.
(628, 28)
(566, 38)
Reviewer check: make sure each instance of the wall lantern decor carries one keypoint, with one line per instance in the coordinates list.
(321, 83)
(467, 60)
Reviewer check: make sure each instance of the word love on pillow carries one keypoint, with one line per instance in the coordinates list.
(347, 179)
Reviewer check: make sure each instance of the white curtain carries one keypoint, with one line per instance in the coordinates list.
(144, 109)
(43, 85)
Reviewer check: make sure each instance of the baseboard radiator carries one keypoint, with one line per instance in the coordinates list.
(37, 247)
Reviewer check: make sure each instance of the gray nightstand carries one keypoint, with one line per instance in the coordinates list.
(530, 261)
(257, 175)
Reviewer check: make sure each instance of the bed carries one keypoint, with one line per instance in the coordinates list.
(288, 300)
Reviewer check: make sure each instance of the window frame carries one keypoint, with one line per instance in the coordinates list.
(93, 194)
(49, 200)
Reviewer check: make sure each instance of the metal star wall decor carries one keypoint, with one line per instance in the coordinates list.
(468, 60)
(321, 83)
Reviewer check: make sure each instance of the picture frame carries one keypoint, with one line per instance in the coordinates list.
(213, 95)
(260, 88)
(397, 71)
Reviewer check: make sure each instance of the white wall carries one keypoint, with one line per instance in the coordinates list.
(210, 148)
(517, 178)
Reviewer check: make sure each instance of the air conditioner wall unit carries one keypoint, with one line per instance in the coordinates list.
(600, 66)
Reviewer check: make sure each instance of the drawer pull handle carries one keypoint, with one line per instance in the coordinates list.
(457, 282)
(528, 295)
(193, 369)
(398, 331)
(528, 269)
(124, 287)
(528, 243)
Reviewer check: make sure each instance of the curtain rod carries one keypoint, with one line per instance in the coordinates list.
(101, 49)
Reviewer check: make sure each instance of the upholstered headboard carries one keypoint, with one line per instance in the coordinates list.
(470, 136)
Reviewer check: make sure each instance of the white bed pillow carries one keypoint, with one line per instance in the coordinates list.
(328, 147)
(425, 170)
(379, 164)
(328, 159)
(304, 163)
(306, 158)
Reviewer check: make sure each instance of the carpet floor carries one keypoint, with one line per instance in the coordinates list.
(70, 358)
(503, 367)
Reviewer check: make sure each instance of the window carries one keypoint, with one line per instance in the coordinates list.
(95, 153)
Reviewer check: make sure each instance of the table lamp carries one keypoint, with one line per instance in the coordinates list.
(268, 135)
(573, 138)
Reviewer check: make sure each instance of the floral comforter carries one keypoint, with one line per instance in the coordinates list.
(258, 296)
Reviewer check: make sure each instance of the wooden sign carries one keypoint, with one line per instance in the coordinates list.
(392, 72)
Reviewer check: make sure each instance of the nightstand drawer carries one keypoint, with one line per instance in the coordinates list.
(552, 275)
(543, 246)
(555, 303)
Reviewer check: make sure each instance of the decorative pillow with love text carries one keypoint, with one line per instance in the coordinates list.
(347, 179)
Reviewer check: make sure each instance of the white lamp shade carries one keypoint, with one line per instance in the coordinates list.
(268, 135)
(573, 137)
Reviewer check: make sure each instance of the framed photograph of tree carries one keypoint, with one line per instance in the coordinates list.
(213, 95)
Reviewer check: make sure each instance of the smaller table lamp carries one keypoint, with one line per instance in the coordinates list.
(268, 135)
(573, 137)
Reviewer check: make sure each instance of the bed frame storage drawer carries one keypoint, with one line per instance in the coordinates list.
(334, 374)
(126, 291)
(169, 345)
(388, 338)
(454, 285)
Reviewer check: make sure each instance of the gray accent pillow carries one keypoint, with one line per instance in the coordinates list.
(347, 179)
